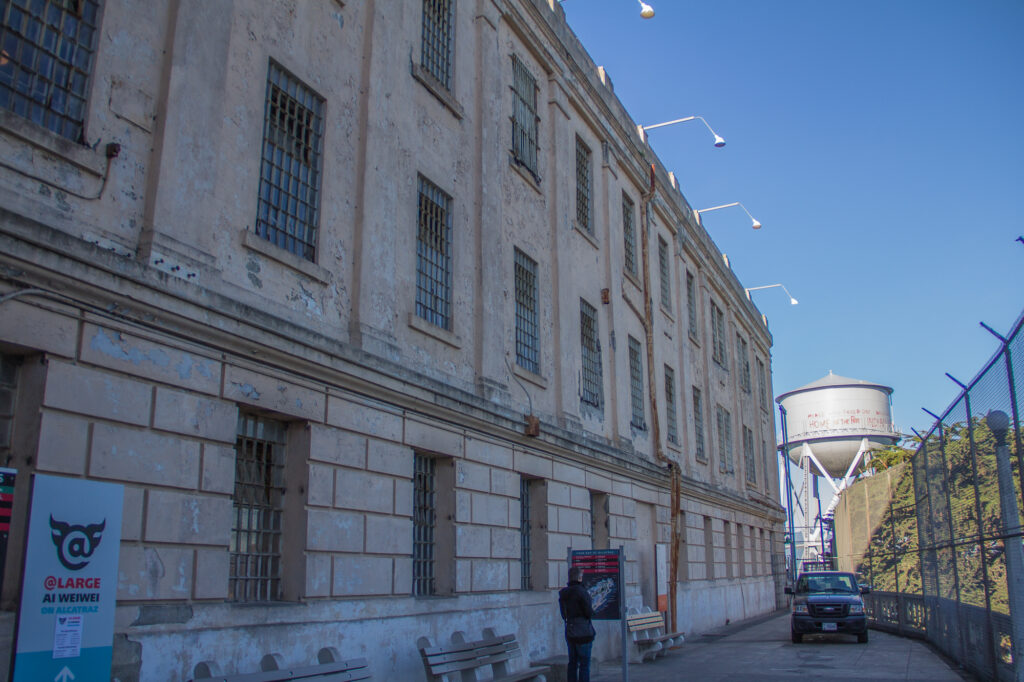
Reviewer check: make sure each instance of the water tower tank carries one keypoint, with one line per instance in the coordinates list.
(833, 415)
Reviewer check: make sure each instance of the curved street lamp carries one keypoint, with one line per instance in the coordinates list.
(719, 140)
(792, 301)
(756, 225)
(646, 11)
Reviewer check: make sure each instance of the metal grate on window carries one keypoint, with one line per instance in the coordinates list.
(663, 272)
(718, 348)
(8, 393)
(583, 187)
(288, 208)
(526, 551)
(671, 424)
(724, 422)
(748, 455)
(255, 551)
(636, 385)
(591, 390)
(436, 42)
(424, 523)
(433, 255)
(527, 339)
(524, 116)
(743, 363)
(47, 60)
(764, 464)
(698, 426)
(762, 385)
(629, 234)
(691, 303)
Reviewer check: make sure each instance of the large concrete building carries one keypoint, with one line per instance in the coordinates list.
(375, 309)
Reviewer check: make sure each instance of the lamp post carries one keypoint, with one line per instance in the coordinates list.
(792, 301)
(719, 140)
(646, 11)
(756, 225)
(999, 424)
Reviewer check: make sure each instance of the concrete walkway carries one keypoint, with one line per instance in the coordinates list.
(761, 649)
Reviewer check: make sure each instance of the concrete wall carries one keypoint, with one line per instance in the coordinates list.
(145, 315)
(861, 510)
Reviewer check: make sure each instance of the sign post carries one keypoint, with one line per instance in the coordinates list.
(69, 584)
(602, 577)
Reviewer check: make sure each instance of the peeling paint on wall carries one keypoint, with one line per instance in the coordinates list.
(248, 390)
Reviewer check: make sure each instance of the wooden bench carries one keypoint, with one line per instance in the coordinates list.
(461, 659)
(272, 669)
(647, 628)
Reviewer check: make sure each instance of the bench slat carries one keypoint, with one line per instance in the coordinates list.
(470, 653)
(467, 646)
(478, 662)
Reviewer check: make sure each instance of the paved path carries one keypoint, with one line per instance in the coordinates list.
(761, 650)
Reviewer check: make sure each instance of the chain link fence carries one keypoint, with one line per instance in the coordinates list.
(943, 550)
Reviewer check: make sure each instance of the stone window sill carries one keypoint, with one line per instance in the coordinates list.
(525, 173)
(92, 161)
(589, 236)
(526, 375)
(256, 243)
(438, 90)
(432, 330)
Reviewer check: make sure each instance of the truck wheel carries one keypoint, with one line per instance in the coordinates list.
(797, 637)
(863, 637)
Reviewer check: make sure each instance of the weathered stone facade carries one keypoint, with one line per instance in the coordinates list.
(142, 311)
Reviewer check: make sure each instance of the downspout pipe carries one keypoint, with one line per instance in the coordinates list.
(652, 392)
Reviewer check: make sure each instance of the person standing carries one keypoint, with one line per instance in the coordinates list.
(577, 611)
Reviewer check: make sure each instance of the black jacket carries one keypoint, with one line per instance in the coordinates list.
(574, 604)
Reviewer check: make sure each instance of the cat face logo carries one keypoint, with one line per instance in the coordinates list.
(75, 544)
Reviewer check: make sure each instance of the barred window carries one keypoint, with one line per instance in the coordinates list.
(691, 303)
(718, 348)
(629, 234)
(47, 62)
(424, 520)
(724, 422)
(764, 465)
(671, 427)
(599, 521)
(636, 385)
(698, 426)
(8, 395)
(525, 555)
(743, 363)
(524, 116)
(583, 187)
(762, 385)
(288, 210)
(748, 456)
(663, 272)
(591, 390)
(527, 340)
(433, 255)
(436, 40)
(255, 550)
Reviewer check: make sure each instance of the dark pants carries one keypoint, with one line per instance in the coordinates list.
(579, 662)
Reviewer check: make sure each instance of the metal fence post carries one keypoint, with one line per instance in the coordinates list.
(992, 647)
(999, 423)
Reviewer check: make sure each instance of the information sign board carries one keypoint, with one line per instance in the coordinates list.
(69, 586)
(602, 579)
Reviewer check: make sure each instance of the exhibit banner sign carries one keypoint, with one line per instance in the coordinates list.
(69, 586)
(602, 578)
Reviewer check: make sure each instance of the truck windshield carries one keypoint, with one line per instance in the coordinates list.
(826, 583)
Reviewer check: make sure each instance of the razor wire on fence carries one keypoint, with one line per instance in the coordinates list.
(944, 559)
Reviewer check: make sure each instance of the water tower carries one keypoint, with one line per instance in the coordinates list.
(831, 425)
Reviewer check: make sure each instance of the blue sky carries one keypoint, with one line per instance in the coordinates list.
(881, 145)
